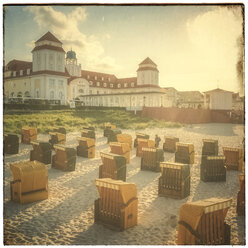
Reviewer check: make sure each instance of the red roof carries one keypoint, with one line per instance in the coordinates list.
(49, 47)
(49, 36)
(147, 61)
(17, 65)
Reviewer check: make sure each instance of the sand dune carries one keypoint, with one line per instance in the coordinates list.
(67, 216)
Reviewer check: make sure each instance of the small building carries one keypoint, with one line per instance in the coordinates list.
(190, 99)
(218, 99)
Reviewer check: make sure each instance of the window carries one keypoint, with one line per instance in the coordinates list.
(61, 96)
(61, 83)
(97, 92)
(132, 84)
(109, 79)
(91, 83)
(51, 83)
(104, 85)
(90, 92)
(21, 72)
(52, 94)
(81, 91)
(95, 77)
(98, 83)
(14, 73)
(119, 85)
(102, 78)
(88, 76)
(28, 71)
(111, 85)
(125, 85)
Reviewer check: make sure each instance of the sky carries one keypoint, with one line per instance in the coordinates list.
(196, 47)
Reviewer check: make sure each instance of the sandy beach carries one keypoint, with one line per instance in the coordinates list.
(67, 216)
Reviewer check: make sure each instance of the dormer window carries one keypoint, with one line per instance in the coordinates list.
(111, 85)
(104, 85)
(119, 85)
(98, 83)
(14, 73)
(28, 71)
(132, 84)
(125, 85)
(21, 72)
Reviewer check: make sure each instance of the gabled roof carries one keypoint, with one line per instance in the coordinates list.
(147, 61)
(49, 36)
(217, 90)
(17, 65)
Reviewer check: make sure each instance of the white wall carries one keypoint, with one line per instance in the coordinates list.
(221, 101)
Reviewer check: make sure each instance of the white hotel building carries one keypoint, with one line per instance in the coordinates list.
(52, 76)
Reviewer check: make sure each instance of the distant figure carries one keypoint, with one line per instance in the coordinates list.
(157, 140)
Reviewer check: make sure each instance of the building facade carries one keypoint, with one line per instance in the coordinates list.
(53, 76)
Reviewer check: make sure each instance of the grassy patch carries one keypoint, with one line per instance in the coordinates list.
(73, 120)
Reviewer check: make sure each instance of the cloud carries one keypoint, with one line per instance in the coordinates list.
(65, 27)
(213, 36)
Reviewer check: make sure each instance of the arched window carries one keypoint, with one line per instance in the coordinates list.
(19, 94)
(37, 93)
(52, 94)
(61, 96)
(27, 94)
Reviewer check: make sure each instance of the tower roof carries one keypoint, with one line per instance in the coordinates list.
(49, 36)
(147, 61)
(71, 55)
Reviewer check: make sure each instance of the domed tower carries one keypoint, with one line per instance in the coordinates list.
(71, 64)
(147, 73)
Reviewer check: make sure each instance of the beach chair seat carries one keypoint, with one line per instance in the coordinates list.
(64, 158)
(210, 147)
(174, 181)
(30, 182)
(151, 158)
(234, 158)
(125, 138)
(140, 136)
(88, 133)
(213, 169)
(117, 205)
(28, 134)
(113, 166)
(170, 143)
(107, 127)
(185, 153)
(143, 143)
(59, 130)
(120, 149)
(86, 147)
(10, 143)
(203, 222)
(57, 138)
(241, 196)
(42, 151)
(112, 135)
